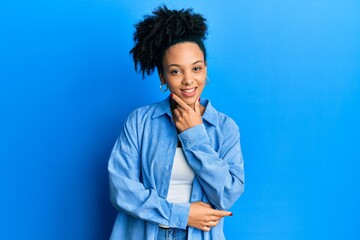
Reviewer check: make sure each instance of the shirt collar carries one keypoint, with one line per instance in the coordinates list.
(210, 114)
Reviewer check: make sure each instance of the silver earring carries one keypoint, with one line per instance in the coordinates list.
(162, 89)
(207, 80)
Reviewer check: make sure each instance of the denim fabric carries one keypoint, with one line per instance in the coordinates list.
(171, 234)
(141, 162)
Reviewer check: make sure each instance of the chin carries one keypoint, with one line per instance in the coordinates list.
(191, 102)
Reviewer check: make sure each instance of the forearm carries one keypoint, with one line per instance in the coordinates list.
(131, 197)
(221, 177)
(128, 193)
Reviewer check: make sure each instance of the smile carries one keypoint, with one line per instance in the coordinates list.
(188, 90)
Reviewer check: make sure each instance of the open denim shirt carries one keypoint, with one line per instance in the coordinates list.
(140, 169)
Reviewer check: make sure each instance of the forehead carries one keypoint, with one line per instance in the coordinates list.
(183, 54)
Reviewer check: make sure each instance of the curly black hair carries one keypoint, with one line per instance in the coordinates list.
(164, 28)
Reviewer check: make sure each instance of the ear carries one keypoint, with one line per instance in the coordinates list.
(162, 78)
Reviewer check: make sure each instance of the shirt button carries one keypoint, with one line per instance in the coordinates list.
(177, 223)
(194, 196)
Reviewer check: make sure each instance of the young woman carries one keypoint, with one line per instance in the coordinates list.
(177, 165)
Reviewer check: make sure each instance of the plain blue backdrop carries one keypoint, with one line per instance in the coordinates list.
(287, 71)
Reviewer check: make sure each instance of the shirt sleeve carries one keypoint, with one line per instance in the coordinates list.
(128, 193)
(221, 175)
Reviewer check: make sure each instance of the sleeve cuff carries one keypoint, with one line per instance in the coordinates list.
(179, 215)
(193, 136)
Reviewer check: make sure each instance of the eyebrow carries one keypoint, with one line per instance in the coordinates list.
(177, 65)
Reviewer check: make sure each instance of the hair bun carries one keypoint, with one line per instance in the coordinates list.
(178, 24)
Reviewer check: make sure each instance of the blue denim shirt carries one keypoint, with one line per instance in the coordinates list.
(140, 168)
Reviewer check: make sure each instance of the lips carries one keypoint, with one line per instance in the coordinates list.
(188, 92)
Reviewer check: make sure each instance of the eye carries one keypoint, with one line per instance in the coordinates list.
(175, 72)
(197, 68)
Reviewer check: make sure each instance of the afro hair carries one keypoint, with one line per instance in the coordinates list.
(164, 28)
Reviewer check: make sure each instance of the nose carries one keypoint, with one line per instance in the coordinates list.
(188, 79)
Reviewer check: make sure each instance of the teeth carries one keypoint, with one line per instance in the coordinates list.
(189, 90)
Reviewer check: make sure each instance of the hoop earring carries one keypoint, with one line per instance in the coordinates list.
(207, 80)
(162, 89)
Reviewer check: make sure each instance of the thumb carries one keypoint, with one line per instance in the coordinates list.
(197, 105)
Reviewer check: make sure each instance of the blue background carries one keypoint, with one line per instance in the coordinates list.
(287, 71)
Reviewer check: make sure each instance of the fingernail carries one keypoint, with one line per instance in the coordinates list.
(230, 214)
(171, 94)
(199, 100)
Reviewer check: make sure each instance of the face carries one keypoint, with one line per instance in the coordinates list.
(184, 71)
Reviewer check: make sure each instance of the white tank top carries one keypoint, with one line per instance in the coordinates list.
(181, 180)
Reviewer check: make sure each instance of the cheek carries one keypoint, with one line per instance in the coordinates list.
(202, 83)
(172, 86)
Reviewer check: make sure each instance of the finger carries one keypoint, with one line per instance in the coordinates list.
(177, 112)
(214, 218)
(222, 213)
(213, 223)
(206, 205)
(180, 110)
(206, 228)
(179, 101)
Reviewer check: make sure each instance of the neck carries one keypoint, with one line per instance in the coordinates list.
(173, 105)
